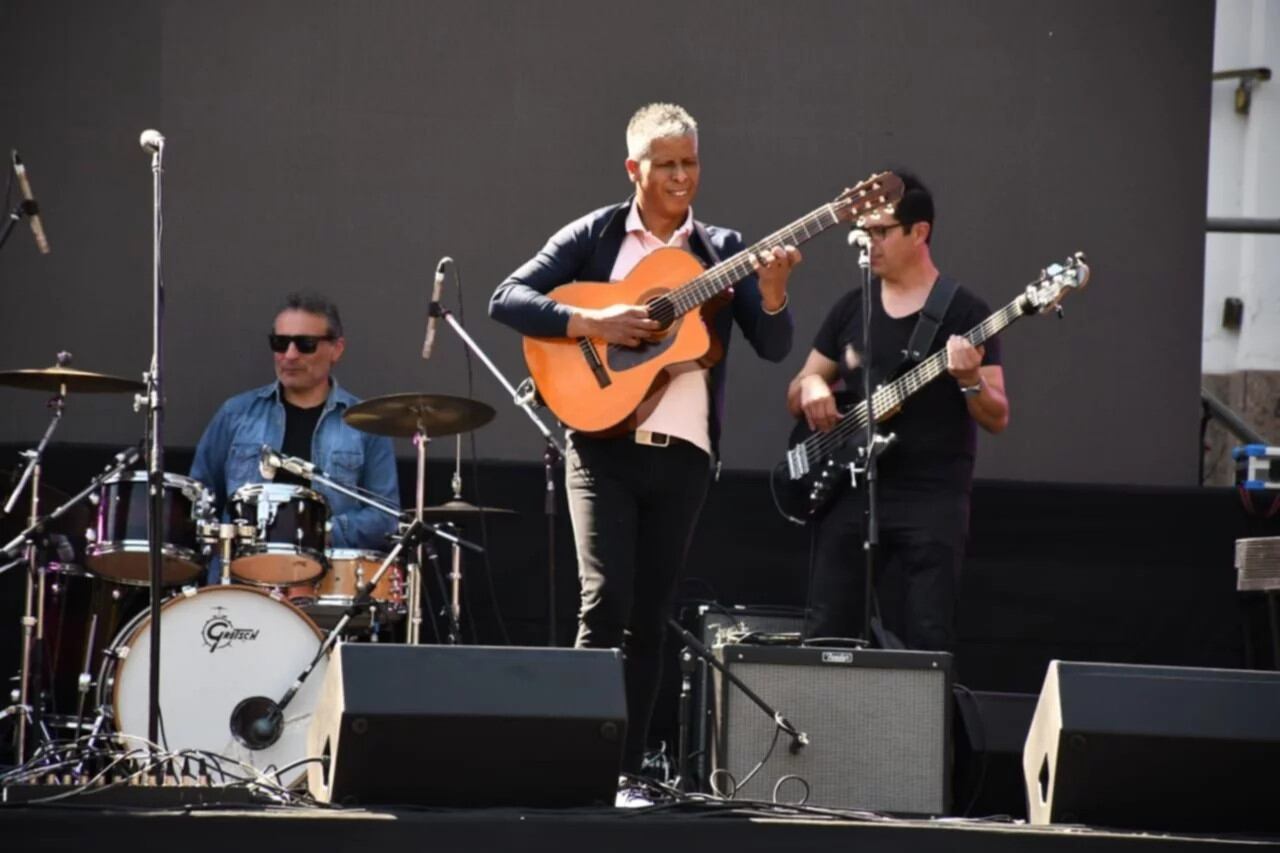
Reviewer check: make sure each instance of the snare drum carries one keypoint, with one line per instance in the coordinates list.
(119, 549)
(222, 645)
(291, 526)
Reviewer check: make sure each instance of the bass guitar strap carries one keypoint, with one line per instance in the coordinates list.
(935, 308)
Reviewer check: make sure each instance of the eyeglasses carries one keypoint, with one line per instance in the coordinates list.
(306, 344)
(879, 232)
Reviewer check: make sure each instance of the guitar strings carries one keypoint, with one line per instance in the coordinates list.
(888, 397)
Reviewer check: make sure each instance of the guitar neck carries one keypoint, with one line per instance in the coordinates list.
(732, 270)
(888, 398)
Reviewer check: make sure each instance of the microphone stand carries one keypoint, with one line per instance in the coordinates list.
(799, 739)
(258, 722)
(874, 444)
(21, 209)
(522, 398)
(310, 471)
(153, 400)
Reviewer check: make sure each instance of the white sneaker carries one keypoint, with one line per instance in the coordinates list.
(631, 796)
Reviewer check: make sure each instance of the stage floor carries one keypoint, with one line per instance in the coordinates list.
(669, 829)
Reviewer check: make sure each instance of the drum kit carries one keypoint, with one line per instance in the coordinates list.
(236, 653)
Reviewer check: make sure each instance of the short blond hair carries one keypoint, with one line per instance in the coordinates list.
(657, 121)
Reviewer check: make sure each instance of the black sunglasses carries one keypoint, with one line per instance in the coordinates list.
(306, 344)
(879, 232)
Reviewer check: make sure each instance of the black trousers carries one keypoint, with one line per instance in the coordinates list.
(634, 509)
(916, 572)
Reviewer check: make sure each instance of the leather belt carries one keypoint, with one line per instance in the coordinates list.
(658, 439)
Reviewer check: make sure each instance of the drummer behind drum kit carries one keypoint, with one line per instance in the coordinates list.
(235, 654)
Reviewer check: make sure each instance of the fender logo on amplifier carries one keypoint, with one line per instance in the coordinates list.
(837, 657)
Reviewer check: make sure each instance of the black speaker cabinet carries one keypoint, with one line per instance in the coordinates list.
(468, 726)
(879, 724)
(1155, 747)
(990, 731)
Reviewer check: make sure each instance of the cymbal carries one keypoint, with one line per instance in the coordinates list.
(402, 415)
(457, 510)
(80, 381)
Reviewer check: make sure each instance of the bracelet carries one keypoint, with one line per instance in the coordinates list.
(974, 389)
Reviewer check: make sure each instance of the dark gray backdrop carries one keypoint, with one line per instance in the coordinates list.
(346, 146)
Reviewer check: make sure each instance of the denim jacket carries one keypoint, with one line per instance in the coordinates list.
(227, 458)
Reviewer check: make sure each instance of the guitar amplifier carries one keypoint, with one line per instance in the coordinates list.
(879, 725)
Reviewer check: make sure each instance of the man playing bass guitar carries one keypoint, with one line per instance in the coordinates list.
(926, 475)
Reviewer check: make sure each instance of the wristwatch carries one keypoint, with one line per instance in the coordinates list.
(972, 390)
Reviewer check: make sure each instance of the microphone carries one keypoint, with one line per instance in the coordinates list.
(29, 206)
(433, 310)
(151, 140)
(257, 722)
(859, 237)
(268, 462)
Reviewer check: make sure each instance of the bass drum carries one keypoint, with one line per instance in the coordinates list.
(221, 645)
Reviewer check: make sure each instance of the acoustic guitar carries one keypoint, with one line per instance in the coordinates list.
(593, 386)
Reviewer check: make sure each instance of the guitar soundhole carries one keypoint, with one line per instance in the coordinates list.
(662, 310)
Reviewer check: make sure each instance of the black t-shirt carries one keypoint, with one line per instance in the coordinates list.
(936, 436)
(299, 427)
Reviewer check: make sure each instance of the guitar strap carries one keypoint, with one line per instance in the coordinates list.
(706, 241)
(935, 308)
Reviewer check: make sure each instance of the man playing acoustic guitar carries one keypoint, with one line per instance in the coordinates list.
(635, 492)
(926, 475)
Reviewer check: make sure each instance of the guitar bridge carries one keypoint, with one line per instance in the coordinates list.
(797, 462)
(593, 361)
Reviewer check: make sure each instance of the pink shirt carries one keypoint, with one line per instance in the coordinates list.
(683, 407)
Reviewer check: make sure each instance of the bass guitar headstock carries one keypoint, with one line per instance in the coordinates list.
(1055, 282)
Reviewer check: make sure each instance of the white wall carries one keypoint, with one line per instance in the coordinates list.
(1244, 180)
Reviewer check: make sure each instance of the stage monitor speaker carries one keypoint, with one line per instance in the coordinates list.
(1155, 747)
(469, 726)
(990, 732)
(879, 724)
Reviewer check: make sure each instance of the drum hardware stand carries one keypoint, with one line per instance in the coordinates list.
(258, 722)
(693, 646)
(33, 623)
(523, 398)
(413, 631)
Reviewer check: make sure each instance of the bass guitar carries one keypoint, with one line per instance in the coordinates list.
(816, 466)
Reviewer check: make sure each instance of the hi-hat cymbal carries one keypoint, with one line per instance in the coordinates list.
(402, 415)
(79, 381)
(457, 510)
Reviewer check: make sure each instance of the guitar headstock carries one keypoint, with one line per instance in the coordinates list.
(870, 199)
(1055, 282)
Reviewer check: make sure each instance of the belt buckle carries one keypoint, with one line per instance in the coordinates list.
(652, 439)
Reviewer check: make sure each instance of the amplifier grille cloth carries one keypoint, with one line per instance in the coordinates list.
(877, 740)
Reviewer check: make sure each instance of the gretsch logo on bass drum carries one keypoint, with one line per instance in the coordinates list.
(218, 632)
